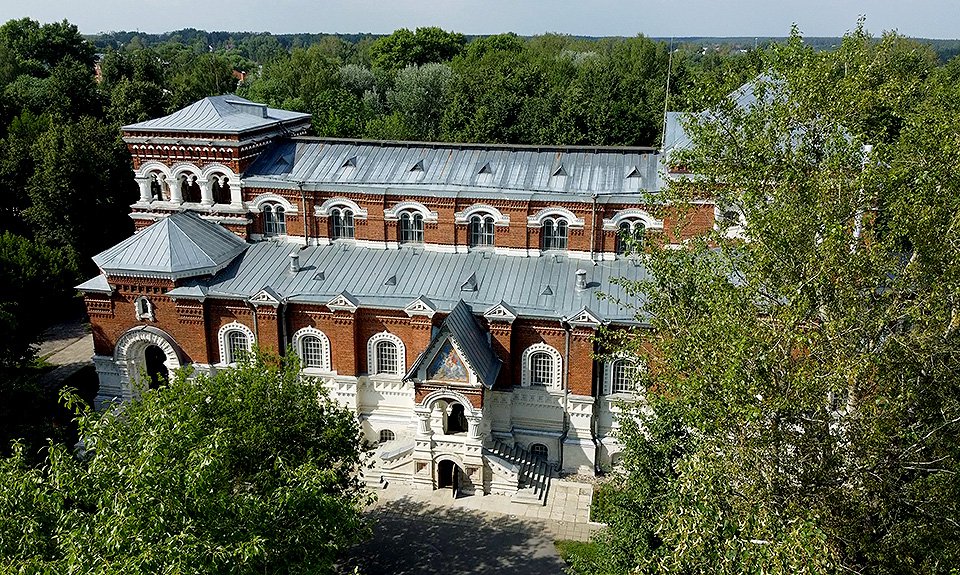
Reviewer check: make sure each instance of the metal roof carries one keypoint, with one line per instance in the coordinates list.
(182, 245)
(227, 114)
(98, 284)
(543, 287)
(462, 326)
(449, 169)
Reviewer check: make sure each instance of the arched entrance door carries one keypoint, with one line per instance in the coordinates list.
(153, 359)
(449, 476)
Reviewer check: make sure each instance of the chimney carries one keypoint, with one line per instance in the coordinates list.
(294, 263)
(581, 280)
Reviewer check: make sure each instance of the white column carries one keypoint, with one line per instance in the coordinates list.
(176, 193)
(236, 194)
(206, 192)
(423, 422)
(473, 426)
(146, 194)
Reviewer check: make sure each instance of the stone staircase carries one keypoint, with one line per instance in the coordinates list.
(533, 474)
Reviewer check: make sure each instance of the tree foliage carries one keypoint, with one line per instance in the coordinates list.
(802, 403)
(253, 470)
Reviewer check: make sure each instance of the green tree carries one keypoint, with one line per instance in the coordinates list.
(405, 48)
(802, 403)
(253, 470)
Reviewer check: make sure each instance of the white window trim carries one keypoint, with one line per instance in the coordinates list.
(649, 222)
(372, 355)
(323, 210)
(222, 339)
(482, 210)
(148, 315)
(325, 366)
(394, 212)
(214, 168)
(557, 365)
(256, 204)
(536, 220)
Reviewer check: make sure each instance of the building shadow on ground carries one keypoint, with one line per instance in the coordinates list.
(413, 537)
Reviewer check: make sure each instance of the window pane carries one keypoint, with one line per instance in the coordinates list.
(539, 451)
(541, 369)
(624, 377)
(311, 351)
(237, 346)
(281, 221)
(387, 357)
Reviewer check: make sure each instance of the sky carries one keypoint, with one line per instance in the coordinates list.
(657, 18)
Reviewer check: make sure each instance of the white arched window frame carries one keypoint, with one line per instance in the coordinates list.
(554, 233)
(534, 366)
(313, 347)
(499, 218)
(630, 236)
(621, 376)
(324, 209)
(144, 308)
(274, 220)
(410, 228)
(395, 212)
(342, 224)
(480, 231)
(377, 354)
(231, 343)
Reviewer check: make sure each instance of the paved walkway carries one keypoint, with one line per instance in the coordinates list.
(68, 347)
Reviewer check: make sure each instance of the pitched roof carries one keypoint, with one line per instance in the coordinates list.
(520, 282)
(449, 169)
(471, 339)
(219, 114)
(182, 245)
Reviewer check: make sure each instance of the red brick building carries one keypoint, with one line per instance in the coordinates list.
(448, 293)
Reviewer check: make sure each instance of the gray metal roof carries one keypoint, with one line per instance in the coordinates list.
(227, 114)
(98, 284)
(534, 287)
(462, 326)
(449, 169)
(182, 245)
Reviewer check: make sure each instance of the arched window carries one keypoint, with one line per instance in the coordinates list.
(411, 228)
(189, 189)
(313, 347)
(624, 377)
(539, 451)
(156, 188)
(387, 435)
(144, 308)
(237, 344)
(220, 186)
(553, 234)
(541, 369)
(274, 220)
(341, 224)
(481, 231)
(311, 352)
(387, 358)
(630, 236)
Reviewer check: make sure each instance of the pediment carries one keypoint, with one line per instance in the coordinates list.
(501, 312)
(422, 306)
(343, 302)
(266, 296)
(585, 318)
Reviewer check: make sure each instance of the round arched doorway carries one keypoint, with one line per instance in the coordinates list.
(449, 476)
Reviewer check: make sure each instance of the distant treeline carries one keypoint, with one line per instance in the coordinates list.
(946, 49)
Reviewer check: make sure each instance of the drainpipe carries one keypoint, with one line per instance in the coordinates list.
(283, 328)
(256, 325)
(566, 389)
(306, 221)
(593, 228)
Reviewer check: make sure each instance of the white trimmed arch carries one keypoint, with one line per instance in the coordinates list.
(151, 167)
(218, 168)
(257, 203)
(323, 210)
(557, 370)
(482, 210)
(450, 395)
(372, 367)
(185, 168)
(410, 206)
(537, 219)
(222, 339)
(128, 354)
(630, 215)
(303, 333)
